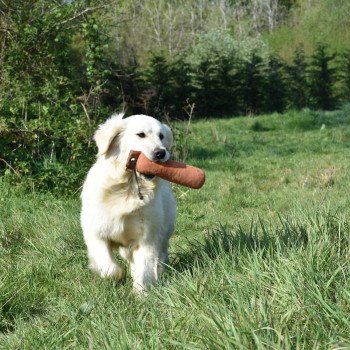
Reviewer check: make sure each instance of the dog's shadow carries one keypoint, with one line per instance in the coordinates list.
(222, 241)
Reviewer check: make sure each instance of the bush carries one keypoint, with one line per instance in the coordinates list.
(51, 90)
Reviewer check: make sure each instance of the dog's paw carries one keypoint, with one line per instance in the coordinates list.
(111, 271)
(140, 290)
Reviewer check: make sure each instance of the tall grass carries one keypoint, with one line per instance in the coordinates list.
(260, 257)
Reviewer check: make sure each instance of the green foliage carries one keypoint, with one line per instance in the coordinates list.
(37, 67)
(322, 76)
(225, 80)
(215, 82)
(325, 21)
(298, 83)
(276, 87)
(63, 71)
(252, 79)
(49, 98)
(221, 43)
(96, 65)
(159, 79)
(345, 76)
(182, 87)
(206, 83)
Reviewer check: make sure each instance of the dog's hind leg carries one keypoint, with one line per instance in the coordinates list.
(101, 259)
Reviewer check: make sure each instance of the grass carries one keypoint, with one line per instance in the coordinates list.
(260, 257)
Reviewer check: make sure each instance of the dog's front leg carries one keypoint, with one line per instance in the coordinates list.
(144, 267)
(101, 259)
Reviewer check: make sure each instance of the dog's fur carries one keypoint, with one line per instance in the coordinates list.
(113, 215)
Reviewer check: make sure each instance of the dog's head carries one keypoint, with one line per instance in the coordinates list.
(117, 137)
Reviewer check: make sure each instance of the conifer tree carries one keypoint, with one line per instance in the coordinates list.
(275, 88)
(128, 83)
(252, 83)
(227, 100)
(298, 85)
(158, 78)
(345, 76)
(205, 88)
(322, 78)
(182, 87)
(215, 87)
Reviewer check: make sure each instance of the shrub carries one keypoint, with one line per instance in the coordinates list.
(50, 90)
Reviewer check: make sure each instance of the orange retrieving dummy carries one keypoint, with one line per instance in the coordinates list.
(179, 173)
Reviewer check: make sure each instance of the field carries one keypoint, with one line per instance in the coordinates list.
(260, 256)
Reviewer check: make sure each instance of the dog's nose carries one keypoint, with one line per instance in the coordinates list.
(159, 154)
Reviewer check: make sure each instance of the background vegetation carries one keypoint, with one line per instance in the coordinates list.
(66, 65)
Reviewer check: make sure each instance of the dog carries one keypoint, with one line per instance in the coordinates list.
(124, 210)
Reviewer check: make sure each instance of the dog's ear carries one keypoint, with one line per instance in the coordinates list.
(108, 132)
(168, 140)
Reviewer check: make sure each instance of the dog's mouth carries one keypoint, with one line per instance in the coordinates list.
(131, 165)
(159, 161)
(148, 177)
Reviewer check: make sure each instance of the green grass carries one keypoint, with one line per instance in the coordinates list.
(260, 256)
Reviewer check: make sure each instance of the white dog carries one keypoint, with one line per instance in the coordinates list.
(126, 210)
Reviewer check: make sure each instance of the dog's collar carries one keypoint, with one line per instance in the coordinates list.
(137, 183)
(146, 177)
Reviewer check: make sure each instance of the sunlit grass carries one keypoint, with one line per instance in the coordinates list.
(259, 259)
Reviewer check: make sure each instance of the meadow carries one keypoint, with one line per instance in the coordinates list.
(259, 259)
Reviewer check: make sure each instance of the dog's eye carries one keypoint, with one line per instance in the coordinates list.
(161, 136)
(141, 134)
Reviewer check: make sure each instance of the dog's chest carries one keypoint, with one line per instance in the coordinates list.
(128, 229)
(128, 217)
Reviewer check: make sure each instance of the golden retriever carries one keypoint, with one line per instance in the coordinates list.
(125, 210)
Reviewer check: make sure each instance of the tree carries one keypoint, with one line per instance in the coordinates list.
(345, 76)
(252, 84)
(298, 84)
(226, 92)
(158, 78)
(322, 77)
(182, 87)
(275, 88)
(267, 14)
(205, 88)
(215, 82)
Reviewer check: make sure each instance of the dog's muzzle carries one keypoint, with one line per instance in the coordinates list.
(159, 154)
